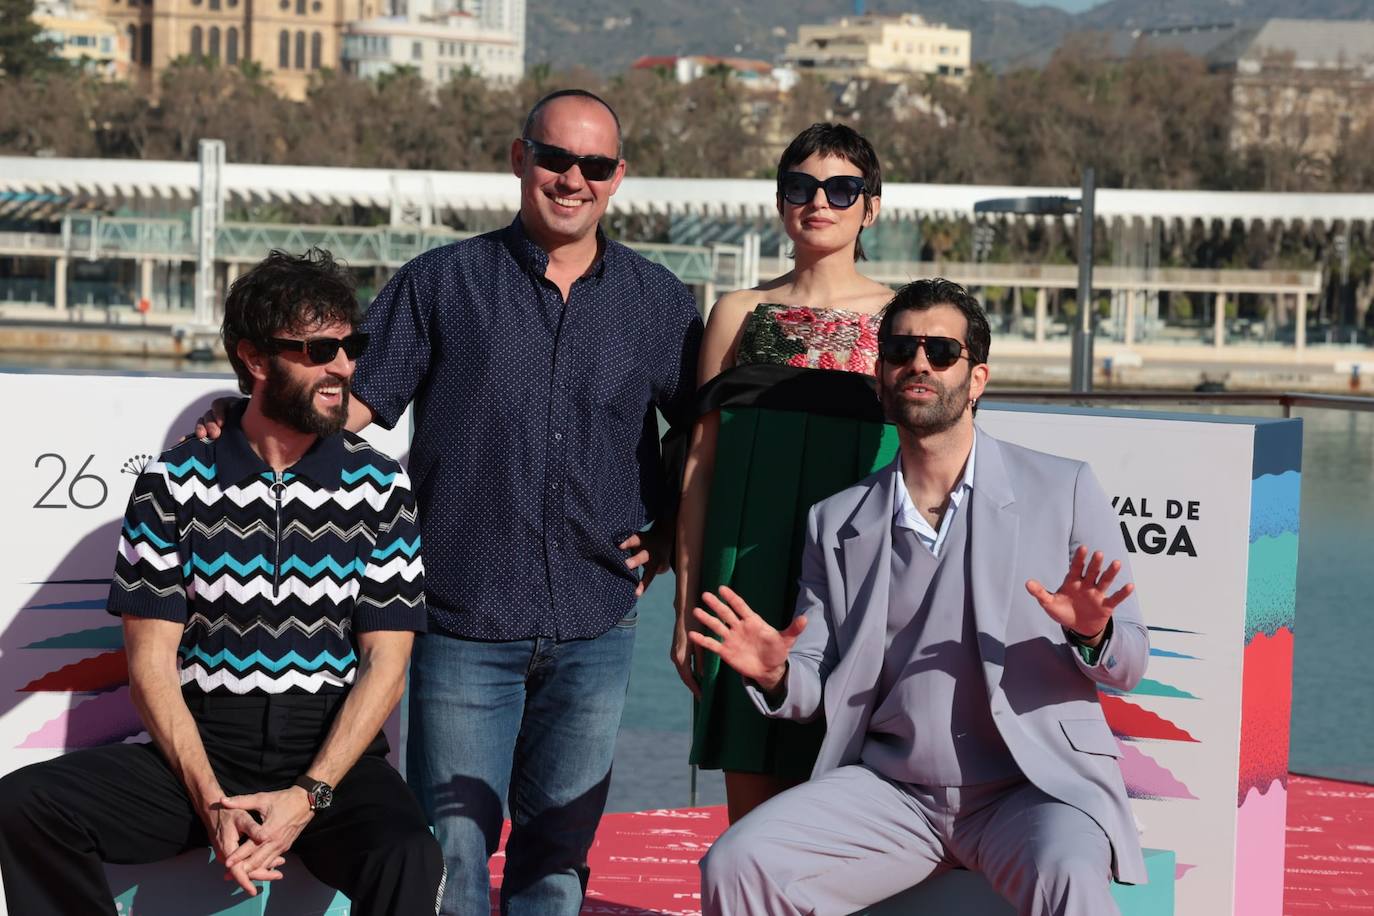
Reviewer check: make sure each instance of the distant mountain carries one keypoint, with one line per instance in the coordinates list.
(608, 35)
(1117, 14)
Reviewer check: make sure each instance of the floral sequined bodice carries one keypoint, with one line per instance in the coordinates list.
(815, 338)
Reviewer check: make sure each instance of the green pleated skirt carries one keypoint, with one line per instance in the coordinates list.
(771, 467)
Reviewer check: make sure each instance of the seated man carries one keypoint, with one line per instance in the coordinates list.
(963, 723)
(270, 587)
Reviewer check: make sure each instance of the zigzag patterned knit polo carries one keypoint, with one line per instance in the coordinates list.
(271, 574)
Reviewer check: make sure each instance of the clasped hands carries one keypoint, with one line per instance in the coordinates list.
(758, 651)
(251, 848)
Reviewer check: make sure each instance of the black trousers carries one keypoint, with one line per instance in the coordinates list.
(60, 820)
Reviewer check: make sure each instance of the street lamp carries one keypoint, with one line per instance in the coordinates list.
(1081, 355)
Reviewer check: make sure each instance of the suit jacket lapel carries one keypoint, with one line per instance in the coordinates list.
(866, 544)
(993, 540)
(866, 551)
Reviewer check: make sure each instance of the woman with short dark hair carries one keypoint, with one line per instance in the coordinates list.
(822, 314)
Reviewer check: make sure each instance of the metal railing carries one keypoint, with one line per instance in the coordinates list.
(1286, 399)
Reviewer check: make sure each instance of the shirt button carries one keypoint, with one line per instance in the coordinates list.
(558, 437)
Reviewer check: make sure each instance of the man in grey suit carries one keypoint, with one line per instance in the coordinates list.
(960, 693)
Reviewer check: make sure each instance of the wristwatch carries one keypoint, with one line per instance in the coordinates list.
(321, 794)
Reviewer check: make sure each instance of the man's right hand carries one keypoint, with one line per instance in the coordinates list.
(229, 832)
(211, 424)
(746, 642)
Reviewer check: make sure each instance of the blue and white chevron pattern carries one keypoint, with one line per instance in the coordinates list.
(269, 604)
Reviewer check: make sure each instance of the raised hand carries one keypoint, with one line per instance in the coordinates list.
(745, 641)
(1082, 603)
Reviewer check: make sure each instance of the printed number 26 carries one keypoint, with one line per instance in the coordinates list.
(71, 487)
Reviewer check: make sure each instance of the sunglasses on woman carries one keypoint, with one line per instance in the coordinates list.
(900, 349)
(799, 189)
(557, 159)
(322, 350)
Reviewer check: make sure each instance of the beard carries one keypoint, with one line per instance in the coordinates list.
(292, 403)
(928, 418)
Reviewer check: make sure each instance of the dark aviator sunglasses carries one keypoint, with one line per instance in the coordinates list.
(322, 350)
(941, 352)
(557, 159)
(841, 191)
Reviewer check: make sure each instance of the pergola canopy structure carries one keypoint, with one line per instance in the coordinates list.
(47, 186)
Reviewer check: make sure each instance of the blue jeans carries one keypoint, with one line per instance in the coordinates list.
(532, 722)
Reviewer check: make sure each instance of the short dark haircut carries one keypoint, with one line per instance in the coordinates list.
(844, 142)
(926, 294)
(532, 119)
(281, 294)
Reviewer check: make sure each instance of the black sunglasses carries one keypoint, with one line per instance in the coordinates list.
(941, 352)
(322, 350)
(799, 189)
(557, 159)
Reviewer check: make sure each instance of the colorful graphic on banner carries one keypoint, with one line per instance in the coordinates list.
(1204, 737)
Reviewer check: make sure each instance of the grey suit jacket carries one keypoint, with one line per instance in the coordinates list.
(1029, 512)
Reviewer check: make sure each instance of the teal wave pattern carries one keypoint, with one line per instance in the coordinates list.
(1148, 687)
(382, 479)
(143, 533)
(400, 544)
(1272, 574)
(258, 659)
(180, 472)
(262, 564)
(94, 638)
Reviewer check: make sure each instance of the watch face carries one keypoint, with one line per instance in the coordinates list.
(323, 796)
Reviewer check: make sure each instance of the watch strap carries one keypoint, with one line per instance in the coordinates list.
(313, 789)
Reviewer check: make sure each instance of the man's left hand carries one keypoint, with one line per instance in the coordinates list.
(649, 549)
(283, 814)
(1082, 603)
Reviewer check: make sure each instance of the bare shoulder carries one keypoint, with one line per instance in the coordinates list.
(871, 296)
(732, 308)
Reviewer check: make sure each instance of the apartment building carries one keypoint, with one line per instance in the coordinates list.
(888, 48)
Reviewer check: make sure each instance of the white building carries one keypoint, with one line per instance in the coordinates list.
(881, 47)
(80, 35)
(440, 39)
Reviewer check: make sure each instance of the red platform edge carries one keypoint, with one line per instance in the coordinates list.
(645, 863)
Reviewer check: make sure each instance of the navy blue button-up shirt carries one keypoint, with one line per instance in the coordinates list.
(535, 449)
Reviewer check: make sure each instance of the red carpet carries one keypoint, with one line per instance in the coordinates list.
(646, 863)
(1329, 865)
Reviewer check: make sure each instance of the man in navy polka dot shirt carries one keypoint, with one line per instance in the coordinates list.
(535, 357)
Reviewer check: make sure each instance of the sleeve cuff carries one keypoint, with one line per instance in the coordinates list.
(163, 609)
(1089, 654)
(382, 416)
(773, 706)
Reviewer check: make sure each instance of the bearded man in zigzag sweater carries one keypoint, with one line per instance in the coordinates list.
(270, 586)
